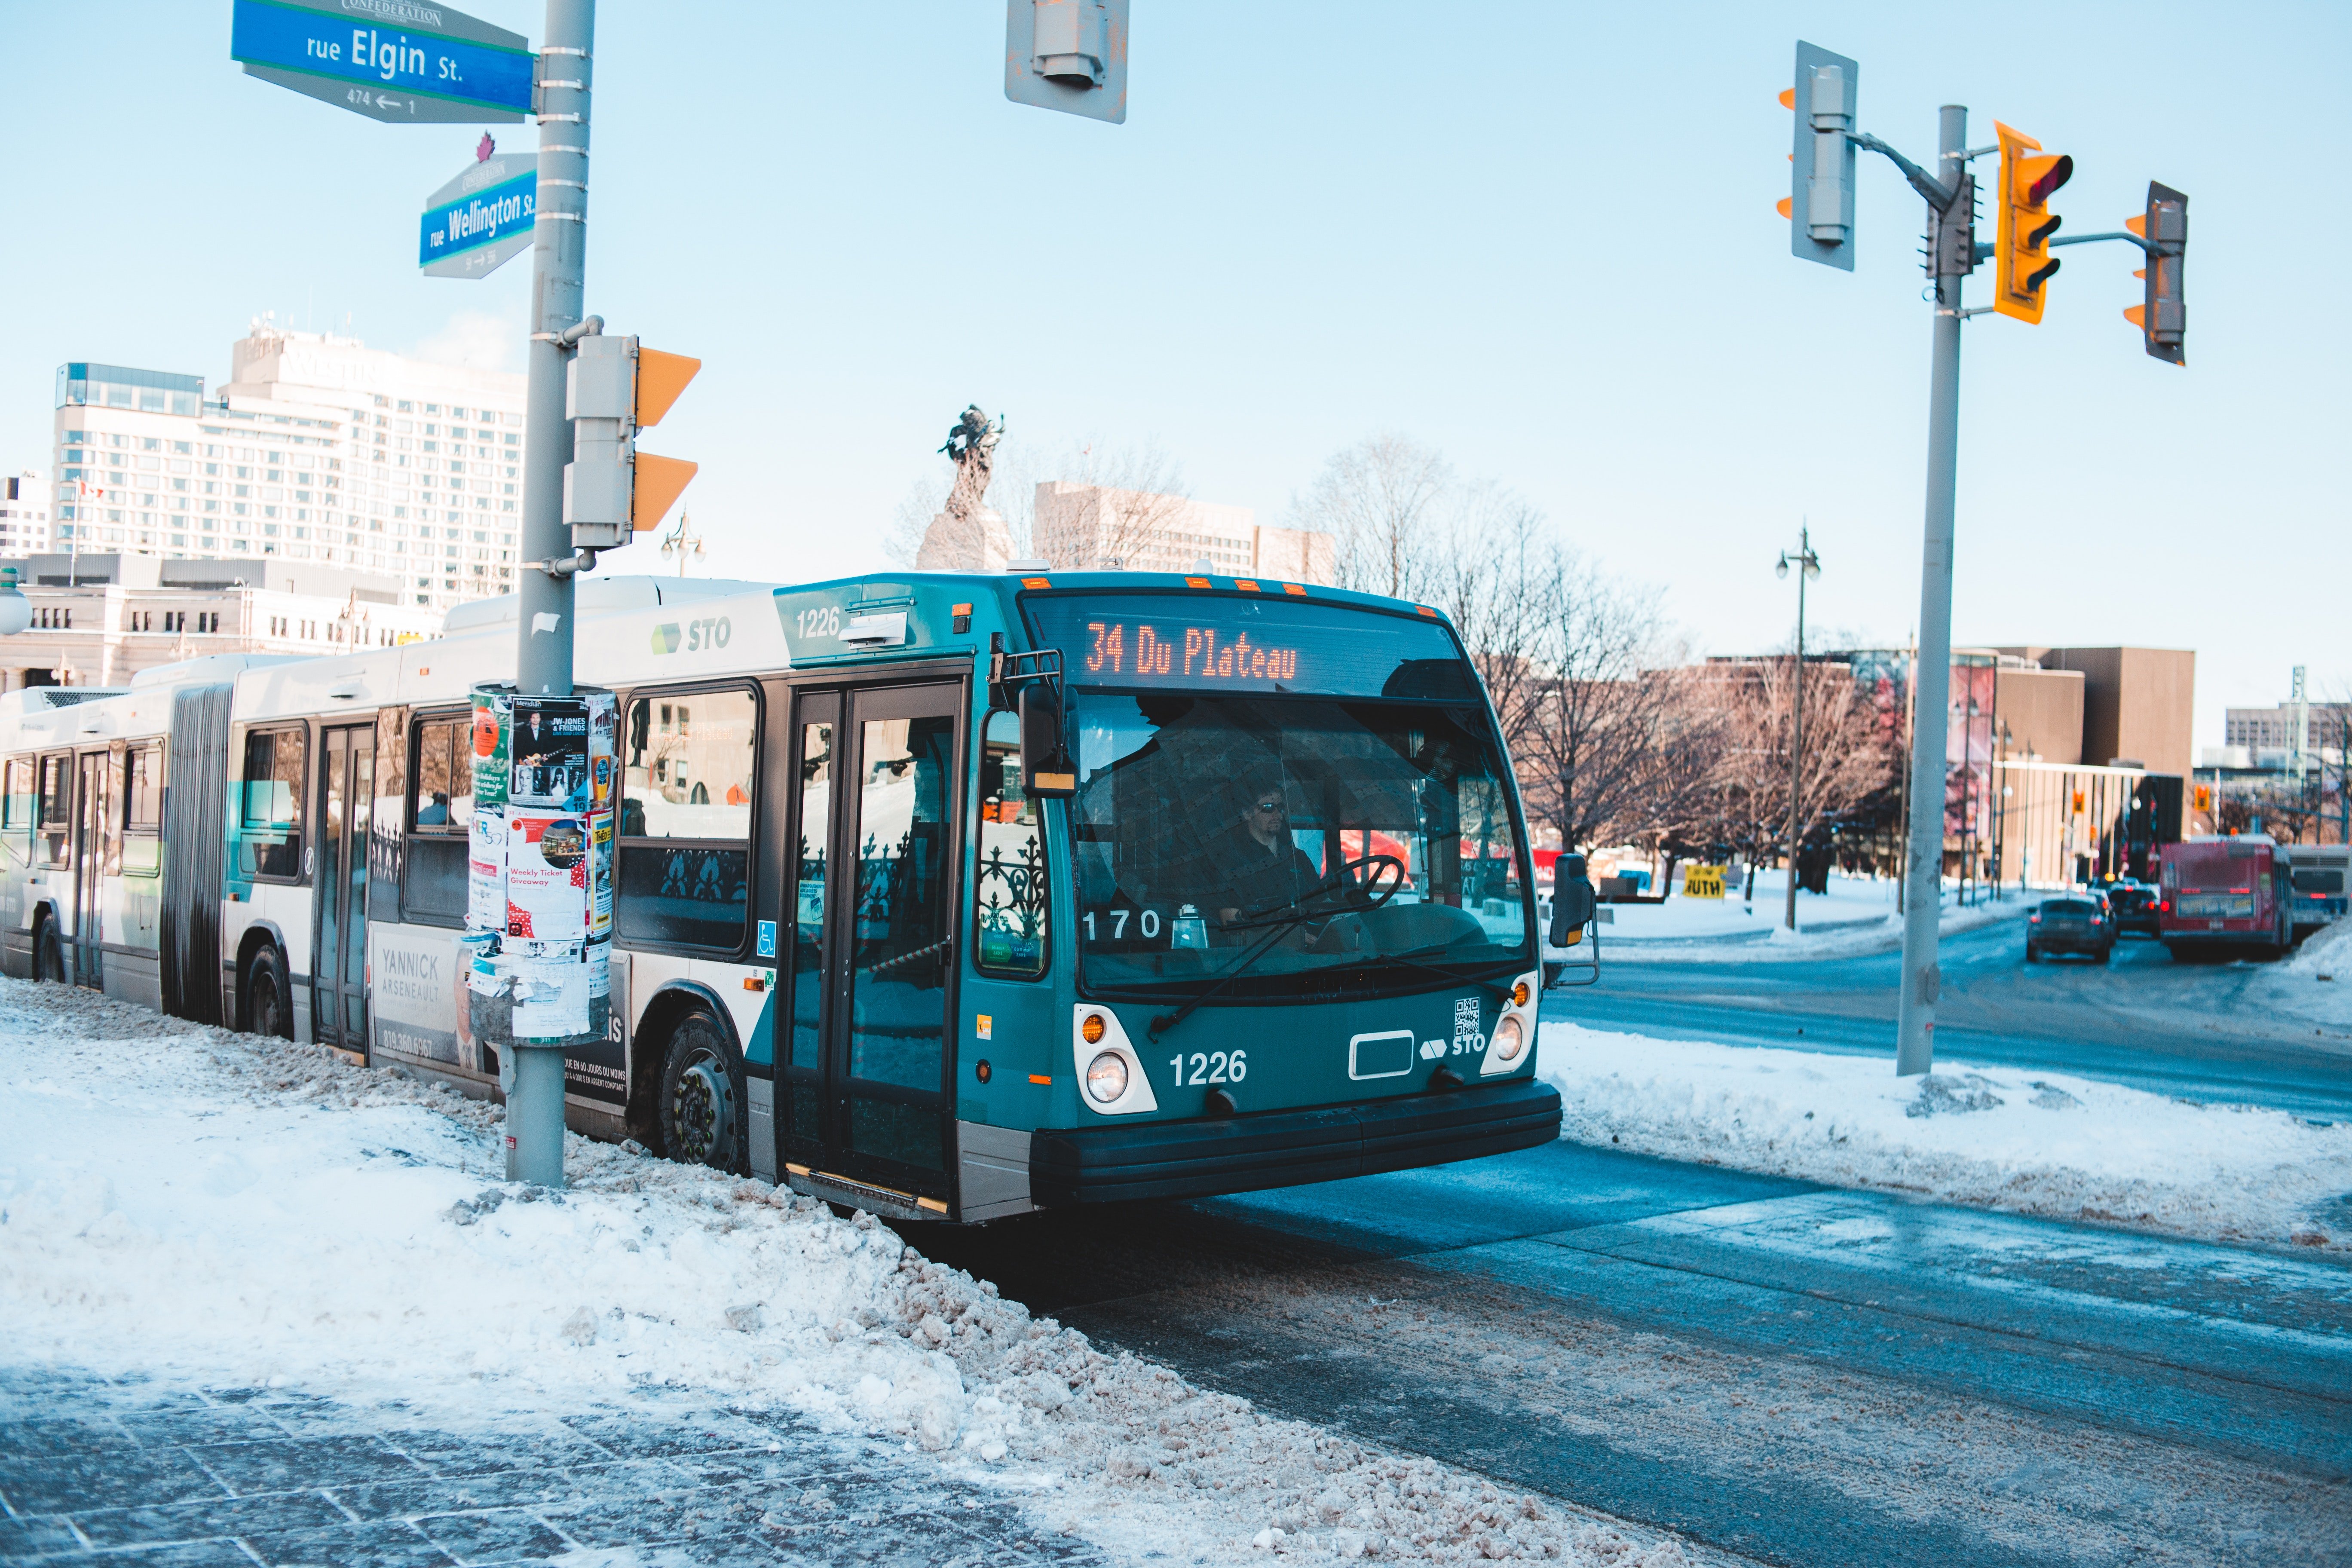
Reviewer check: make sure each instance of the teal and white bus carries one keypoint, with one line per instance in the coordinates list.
(943, 896)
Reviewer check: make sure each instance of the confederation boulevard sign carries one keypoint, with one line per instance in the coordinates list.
(481, 219)
(388, 59)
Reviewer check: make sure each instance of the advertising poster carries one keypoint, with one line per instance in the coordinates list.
(548, 743)
(489, 735)
(417, 1005)
(485, 870)
(547, 875)
(551, 998)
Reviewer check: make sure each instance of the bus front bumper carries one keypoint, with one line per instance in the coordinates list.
(1287, 1148)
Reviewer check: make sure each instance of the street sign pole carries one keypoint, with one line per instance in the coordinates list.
(1915, 1042)
(544, 594)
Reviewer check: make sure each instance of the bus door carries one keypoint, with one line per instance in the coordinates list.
(338, 954)
(873, 892)
(93, 806)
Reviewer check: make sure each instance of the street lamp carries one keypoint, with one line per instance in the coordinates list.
(1808, 566)
(679, 541)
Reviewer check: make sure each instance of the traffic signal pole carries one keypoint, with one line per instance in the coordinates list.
(543, 624)
(1915, 1049)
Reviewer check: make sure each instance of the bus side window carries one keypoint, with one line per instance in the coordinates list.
(272, 840)
(685, 826)
(445, 775)
(56, 829)
(1009, 898)
(142, 799)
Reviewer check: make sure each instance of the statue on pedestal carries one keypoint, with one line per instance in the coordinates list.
(968, 535)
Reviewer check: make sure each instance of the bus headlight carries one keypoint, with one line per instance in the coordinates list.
(1107, 1077)
(1510, 1039)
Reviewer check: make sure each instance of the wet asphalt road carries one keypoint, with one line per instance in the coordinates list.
(1792, 1373)
(2188, 1029)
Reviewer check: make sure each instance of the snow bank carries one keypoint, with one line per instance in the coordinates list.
(189, 1203)
(2044, 1144)
(1856, 916)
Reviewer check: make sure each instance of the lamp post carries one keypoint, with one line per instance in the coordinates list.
(1809, 565)
(682, 543)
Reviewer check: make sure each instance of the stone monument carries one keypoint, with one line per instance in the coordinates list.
(968, 535)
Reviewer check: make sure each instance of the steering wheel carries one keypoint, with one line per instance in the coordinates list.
(1370, 886)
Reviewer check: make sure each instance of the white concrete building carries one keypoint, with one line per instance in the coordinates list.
(24, 512)
(1084, 525)
(99, 619)
(316, 450)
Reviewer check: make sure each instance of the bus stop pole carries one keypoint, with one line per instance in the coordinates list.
(1915, 1047)
(544, 596)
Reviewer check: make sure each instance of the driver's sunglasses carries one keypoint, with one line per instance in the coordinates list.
(1268, 805)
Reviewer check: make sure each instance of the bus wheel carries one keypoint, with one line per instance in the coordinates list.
(48, 953)
(267, 1009)
(697, 1110)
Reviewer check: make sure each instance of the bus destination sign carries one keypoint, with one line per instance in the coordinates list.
(1277, 645)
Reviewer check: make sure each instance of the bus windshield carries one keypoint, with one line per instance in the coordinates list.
(1348, 834)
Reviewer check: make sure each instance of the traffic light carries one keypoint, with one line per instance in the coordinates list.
(614, 388)
(2026, 223)
(2204, 797)
(1070, 55)
(1820, 204)
(2161, 318)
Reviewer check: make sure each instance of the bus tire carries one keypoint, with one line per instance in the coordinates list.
(698, 1111)
(49, 953)
(268, 1005)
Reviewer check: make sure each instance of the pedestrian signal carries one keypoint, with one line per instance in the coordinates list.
(614, 388)
(2025, 264)
(1820, 204)
(2078, 801)
(2203, 797)
(2160, 316)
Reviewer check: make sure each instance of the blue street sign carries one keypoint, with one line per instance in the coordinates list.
(388, 59)
(481, 218)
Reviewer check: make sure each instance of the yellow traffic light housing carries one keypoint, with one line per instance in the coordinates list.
(2024, 264)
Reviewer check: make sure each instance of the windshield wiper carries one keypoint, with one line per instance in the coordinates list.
(1167, 1021)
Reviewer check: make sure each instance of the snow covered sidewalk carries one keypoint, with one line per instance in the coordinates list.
(187, 1203)
(2030, 1142)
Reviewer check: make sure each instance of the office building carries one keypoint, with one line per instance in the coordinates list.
(316, 450)
(24, 512)
(98, 620)
(1085, 525)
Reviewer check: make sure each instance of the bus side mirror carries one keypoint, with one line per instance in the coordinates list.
(1045, 767)
(1572, 901)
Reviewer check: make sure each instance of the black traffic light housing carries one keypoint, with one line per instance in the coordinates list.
(2160, 316)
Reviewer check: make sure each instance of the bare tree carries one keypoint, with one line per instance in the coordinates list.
(1380, 501)
(1610, 748)
(1844, 763)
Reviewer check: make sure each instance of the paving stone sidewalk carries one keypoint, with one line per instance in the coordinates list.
(125, 1473)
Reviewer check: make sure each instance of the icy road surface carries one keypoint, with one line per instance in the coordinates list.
(1800, 1373)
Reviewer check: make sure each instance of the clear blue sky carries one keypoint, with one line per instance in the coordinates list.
(1536, 235)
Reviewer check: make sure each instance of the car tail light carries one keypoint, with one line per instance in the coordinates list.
(2098, 920)
(2033, 920)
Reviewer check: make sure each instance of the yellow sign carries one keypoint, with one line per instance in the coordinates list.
(1703, 883)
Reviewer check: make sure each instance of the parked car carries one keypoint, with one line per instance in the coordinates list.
(2078, 923)
(2138, 908)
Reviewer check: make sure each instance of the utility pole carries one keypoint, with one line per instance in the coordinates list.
(544, 625)
(1809, 565)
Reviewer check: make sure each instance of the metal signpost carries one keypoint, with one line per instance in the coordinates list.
(414, 63)
(433, 64)
(482, 219)
(1821, 210)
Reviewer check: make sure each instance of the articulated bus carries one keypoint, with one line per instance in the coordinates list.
(948, 897)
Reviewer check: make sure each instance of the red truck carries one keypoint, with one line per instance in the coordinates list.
(2226, 892)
